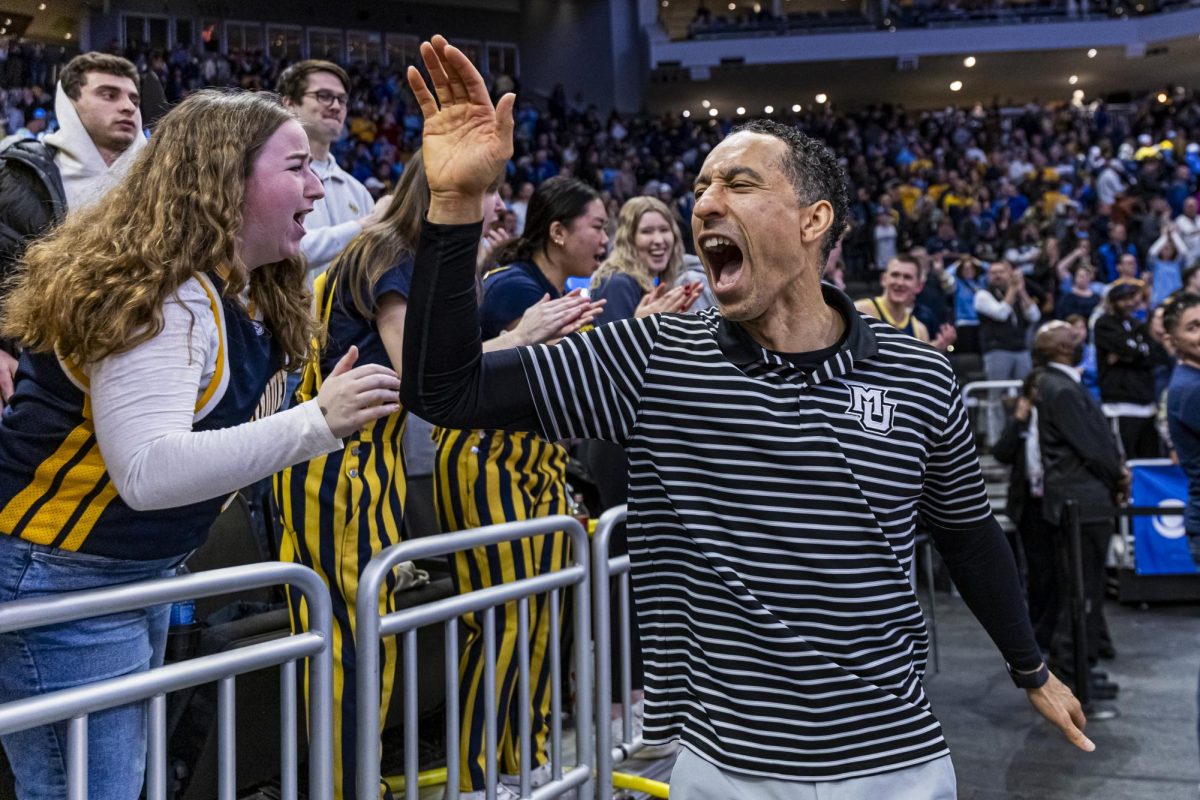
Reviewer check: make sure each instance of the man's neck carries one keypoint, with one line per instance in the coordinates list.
(319, 150)
(108, 155)
(798, 322)
(894, 310)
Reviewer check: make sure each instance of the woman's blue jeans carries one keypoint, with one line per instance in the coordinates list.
(52, 657)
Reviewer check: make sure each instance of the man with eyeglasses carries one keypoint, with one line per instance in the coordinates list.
(318, 91)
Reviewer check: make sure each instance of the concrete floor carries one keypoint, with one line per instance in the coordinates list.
(1003, 750)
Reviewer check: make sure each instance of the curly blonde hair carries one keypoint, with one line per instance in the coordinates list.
(625, 258)
(96, 285)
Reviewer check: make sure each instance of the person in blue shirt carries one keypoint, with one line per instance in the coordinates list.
(1111, 251)
(1181, 319)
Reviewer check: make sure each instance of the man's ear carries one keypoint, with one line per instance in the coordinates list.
(816, 221)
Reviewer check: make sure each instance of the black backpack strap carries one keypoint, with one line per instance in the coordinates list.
(39, 158)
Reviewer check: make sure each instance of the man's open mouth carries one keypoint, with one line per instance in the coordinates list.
(724, 259)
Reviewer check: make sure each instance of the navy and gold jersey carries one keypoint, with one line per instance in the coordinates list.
(54, 487)
(344, 326)
(508, 292)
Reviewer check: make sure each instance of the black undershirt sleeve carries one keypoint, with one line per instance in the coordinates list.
(447, 378)
(982, 566)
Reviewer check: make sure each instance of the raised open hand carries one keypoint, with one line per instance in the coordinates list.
(467, 140)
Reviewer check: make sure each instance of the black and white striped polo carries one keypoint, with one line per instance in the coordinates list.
(771, 522)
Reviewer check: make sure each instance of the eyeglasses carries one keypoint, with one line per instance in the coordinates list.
(327, 98)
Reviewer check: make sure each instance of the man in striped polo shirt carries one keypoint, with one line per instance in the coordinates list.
(780, 449)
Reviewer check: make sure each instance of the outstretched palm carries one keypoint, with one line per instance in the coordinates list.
(466, 141)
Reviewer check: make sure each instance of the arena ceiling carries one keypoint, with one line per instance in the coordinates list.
(1017, 77)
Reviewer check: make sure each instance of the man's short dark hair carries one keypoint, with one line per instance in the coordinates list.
(1175, 306)
(74, 74)
(907, 258)
(293, 81)
(814, 173)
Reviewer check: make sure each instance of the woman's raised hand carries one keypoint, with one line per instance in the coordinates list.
(351, 397)
(467, 140)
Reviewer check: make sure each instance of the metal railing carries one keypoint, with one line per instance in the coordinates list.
(991, 405)
(371, 627)
(604, 569)
(76, 703)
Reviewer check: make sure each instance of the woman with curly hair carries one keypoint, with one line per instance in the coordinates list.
(157, 327)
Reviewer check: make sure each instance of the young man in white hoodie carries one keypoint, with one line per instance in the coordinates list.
(99, 136)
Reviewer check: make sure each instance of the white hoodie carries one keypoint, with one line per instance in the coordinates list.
(85, 176)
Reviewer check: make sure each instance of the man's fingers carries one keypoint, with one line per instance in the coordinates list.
(420, 90)
(468, 75)
(504, 117)
(1075, 735)
(458, 70)
(433, 65)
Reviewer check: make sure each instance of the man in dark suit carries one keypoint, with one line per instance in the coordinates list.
(1082, 463)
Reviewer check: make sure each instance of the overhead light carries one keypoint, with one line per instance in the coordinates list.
(1092, 53)
(1074, 79)
(733, 6)
(796, 108)
(955, 86)
(68, 35)
(768, 109)
(969, 62)
(712, 112)
(741, 110)
(705, 103)
(1162, 97)
(757, 8)
(8, 22)
(686, 113)
(3, 31)
(1077, 95)
(41, 6)
(821, 98)
(666, 3)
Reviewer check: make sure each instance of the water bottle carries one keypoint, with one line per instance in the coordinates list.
(183, 630)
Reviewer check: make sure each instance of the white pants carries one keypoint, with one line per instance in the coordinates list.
(694, 778)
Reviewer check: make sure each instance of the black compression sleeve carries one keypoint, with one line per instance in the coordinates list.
(982, 566)
(447, 379)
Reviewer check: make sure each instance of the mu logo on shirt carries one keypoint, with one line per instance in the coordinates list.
(872, 408)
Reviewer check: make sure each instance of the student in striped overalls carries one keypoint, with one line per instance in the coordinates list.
(156, 328)
(483, 477)
(342, 509)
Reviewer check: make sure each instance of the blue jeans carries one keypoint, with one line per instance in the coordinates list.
(52, 657)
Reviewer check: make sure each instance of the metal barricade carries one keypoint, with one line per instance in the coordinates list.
(988, 402)
(606, 568)
(76, 703)
(371, 627)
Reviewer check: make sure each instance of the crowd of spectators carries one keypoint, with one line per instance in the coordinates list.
(1074, 196)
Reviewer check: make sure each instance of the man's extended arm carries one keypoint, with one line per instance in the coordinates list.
(447, 379)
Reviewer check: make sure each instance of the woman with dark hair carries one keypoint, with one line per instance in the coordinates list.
(157, 327)
(483, 477)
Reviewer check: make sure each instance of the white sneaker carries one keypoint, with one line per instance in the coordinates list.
(618, 724)
(539, 776)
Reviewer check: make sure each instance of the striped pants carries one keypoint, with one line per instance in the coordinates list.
(484, 478)
(339, 511)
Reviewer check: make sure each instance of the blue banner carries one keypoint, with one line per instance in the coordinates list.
(1160, 543)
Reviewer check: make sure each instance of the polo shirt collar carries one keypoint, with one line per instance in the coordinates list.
(742, 351)
(327, 169)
